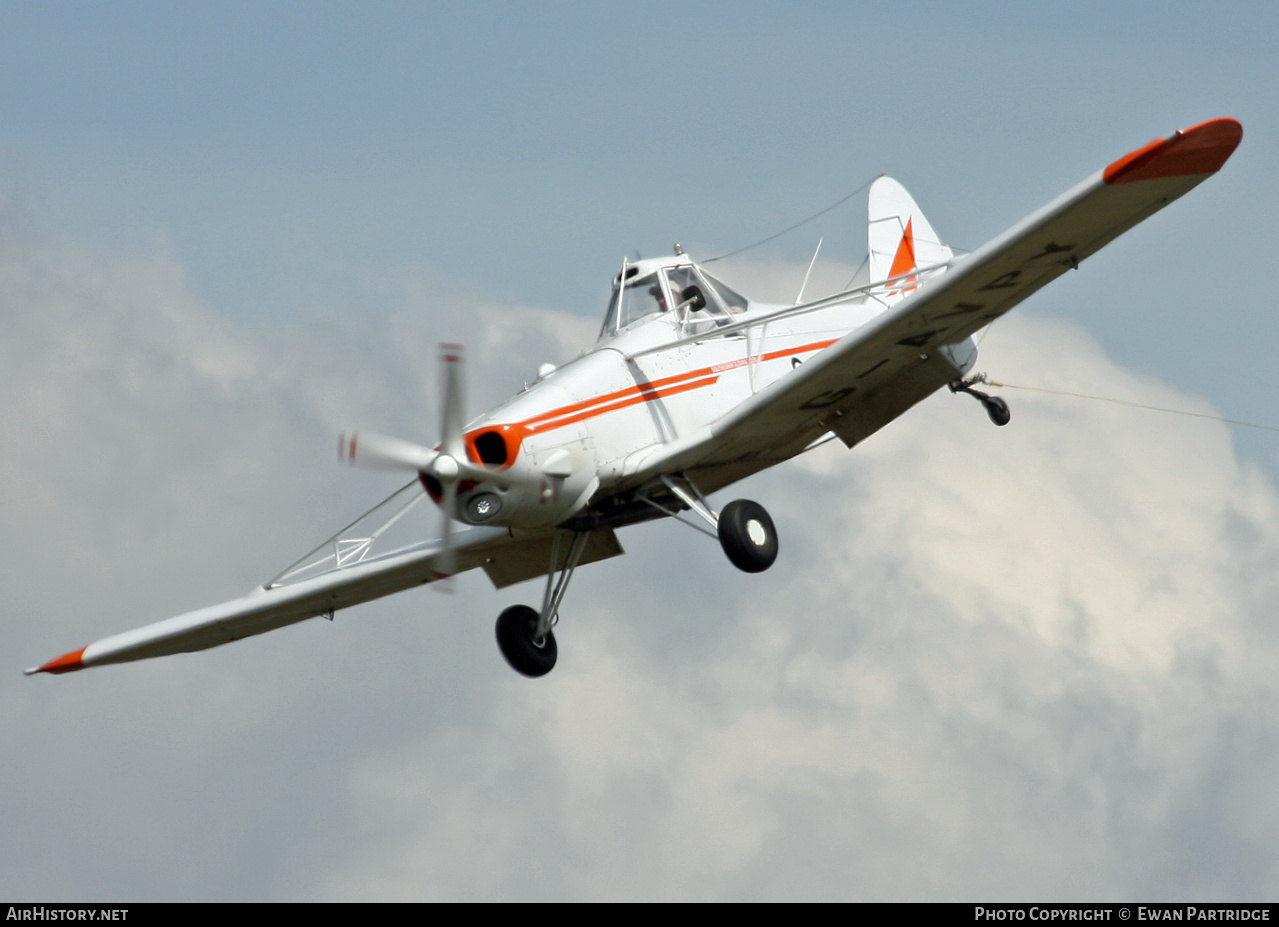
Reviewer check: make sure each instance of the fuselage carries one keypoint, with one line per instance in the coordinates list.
(678, 351)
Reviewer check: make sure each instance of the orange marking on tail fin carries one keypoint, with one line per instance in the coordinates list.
(904, 260)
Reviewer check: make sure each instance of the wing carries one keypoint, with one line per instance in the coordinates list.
(877, 372)
(342, 572)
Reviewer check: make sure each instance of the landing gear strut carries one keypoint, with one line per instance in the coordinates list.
(995, 407)
(524, 635)
(743, 528)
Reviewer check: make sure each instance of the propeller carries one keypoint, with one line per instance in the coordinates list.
(367, 449)
(448, 464)
(452, 448)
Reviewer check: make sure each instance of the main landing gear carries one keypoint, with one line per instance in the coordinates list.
(743, 528)
(747, 535)
(517, 638)
(524, 635)
(995, 407)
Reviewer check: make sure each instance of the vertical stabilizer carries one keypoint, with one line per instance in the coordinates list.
(899, 238)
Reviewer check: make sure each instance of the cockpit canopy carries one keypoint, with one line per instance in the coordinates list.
(696, 301)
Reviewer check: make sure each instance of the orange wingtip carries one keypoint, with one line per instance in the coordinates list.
(1201, 149)
(67, 663)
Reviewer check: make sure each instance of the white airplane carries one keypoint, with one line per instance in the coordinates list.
(690, 387)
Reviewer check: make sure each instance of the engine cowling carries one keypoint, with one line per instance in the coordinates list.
(529, 486)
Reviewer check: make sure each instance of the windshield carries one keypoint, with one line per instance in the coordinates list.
(639, 297)
(732, 300)
(697, 301)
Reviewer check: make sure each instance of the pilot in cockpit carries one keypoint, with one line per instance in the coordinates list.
(659, 297)
(696, 315)
(683, 294)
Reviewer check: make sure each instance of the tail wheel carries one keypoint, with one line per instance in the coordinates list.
(997, 409)
(516, 628)
(747, 535)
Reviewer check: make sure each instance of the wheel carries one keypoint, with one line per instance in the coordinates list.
(747, 535)
(997, 409)
(515, 629)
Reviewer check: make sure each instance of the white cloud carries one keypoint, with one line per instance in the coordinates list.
(998, 663)
(1009, 663)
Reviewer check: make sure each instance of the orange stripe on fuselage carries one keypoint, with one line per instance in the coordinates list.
(621, 399)
(645, 393)
(655, 389)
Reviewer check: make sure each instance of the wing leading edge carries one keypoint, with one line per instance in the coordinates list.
(507, 557)
(877, 372)
(267, 608)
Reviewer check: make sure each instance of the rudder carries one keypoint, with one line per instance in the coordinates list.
(899, 239)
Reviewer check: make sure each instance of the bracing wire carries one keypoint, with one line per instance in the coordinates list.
(860, 267)
(763, 241)
(1035, 389)
(1135, 405)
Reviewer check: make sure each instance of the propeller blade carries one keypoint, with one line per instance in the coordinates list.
(452, 460)
(447, 564)
(368, 449)
(453, 392)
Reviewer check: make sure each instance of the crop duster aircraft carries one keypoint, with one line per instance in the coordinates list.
(690, 387)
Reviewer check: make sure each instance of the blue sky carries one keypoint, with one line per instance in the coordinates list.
(1034, 662)
(292, 155)
(268, 141)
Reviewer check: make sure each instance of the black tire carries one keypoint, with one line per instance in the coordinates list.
(998, 410)
(515, 629)
(747, 535)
